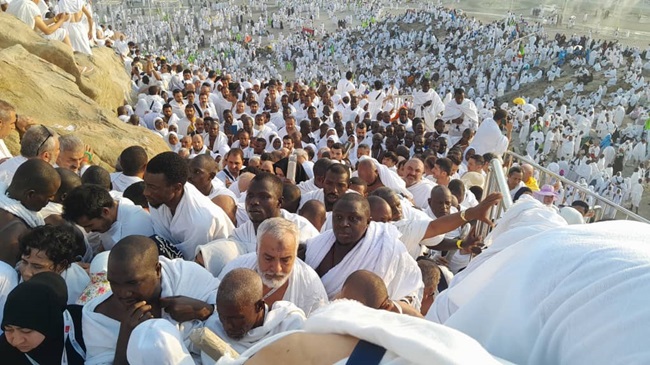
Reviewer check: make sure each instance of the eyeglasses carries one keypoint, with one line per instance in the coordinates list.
(49, 134)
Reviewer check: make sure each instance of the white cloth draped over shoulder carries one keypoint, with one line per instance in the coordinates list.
(467, 110)
(407, 340)
(488, 138)
(246, 236)
(583, 282)
(304, 289)
(389, 178)
(379, 251)
(217, 254)
(120, 182)
(430, 113)
(526, 218)
(15, 207)
(131, 220)
(421, 192)
(197, 221)
(76, 279)
(282, 317)
(413, 232)
(179, 277)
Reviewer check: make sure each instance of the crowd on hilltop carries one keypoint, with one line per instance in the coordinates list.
(345, 202)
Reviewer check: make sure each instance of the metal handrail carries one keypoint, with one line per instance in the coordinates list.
(495, 182)
(601, 204)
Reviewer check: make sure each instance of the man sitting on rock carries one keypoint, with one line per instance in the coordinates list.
(29, 13)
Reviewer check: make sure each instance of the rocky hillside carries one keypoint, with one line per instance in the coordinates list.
(41, 79)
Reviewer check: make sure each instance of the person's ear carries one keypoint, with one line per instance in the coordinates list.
(158, 269)
(386, 305)
(260, 305)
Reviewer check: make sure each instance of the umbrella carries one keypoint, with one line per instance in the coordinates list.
(519, 101)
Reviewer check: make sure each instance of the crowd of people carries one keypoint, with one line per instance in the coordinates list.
(334, 217)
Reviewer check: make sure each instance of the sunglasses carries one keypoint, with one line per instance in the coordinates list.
(49, 134)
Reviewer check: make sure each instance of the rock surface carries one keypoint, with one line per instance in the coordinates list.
(41, 79)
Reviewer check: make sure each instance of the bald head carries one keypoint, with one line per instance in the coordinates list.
(314, 212)
(413, 170)
(34, 184)
(205, 162)
(134, 259)
(240, 303)
(133, 251)
(368, 171)
(379, 210)
(365, 287)
(240, 287)
(353, 201)
(69, 181)
(392, 199)
(440, 200)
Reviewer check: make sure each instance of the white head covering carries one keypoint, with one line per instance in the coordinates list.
(157, 341)
(217, 254)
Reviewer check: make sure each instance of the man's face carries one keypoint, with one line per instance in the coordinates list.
(262, 202)
(440, 203)
(361, 134)
(426, 85)
(189, 113)
(337, 117)
(34, 262)
(260, 145)
(290, 125)
(459, 97)
(70, 160)
(514, 179)
(157, 190)
(197, 143)
(337, 154)
(241, 107)
(408, 139)
(186, 142)
(213, 130)
(349, 223)
(288, 143)
(275, 259)
(418, 141)
(200, 177)
(437, 172)
(334, 186)
(8, 125)
(254, 108)
(235, 163)
(133, 282)
(167, 112)
(237, 319)
(368, 173)
(244, 140)
(472, 166)
(443, 145)
(203, 99)
(414, 171)
(100, 224)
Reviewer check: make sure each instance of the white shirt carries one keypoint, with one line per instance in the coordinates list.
(25, 10)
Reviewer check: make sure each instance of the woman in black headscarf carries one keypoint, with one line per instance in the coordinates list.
(282, 166)
(40, 329)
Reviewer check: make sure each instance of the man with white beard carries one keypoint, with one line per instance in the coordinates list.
(285, 277)
(462, 114)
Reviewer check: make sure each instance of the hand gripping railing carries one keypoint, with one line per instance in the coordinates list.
(495, 183)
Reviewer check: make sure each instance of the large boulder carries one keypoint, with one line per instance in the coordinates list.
(50, 95)
(105, 82)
